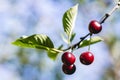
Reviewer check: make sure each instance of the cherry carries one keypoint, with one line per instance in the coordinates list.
(69, 69)
(95, 27)
(86, 58)
(68, 58)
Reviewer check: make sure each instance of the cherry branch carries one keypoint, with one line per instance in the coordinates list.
(109, 14)
(75, 45)
(102, 20)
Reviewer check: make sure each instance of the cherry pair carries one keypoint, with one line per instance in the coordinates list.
(68, 60)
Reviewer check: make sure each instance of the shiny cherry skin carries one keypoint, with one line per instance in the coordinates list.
(68, 58)
(86, 58)
(69, 69)
(95, 27)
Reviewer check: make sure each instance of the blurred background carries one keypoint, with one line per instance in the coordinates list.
(27, 17)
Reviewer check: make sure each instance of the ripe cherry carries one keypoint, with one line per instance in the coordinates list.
(68, 58)
(86, 58)
(95, 27)
(69, 69)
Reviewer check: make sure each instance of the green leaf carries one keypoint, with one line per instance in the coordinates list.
(60, 47)
(64, 38)
(52, 54)
(72, 37)
(69, 18)
(93, 41)
(38, 41)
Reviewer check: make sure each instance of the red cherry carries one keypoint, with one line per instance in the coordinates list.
(86, 58)
(69, 69)
(95, 27)
(68, 58)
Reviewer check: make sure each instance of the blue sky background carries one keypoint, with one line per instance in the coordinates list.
(27, 17)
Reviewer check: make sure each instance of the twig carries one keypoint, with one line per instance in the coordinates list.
(109, 14)
(102, 20)
(75, 45)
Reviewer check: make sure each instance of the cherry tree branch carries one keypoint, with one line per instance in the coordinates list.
(75, 45)
(102, 20)
(109, 14)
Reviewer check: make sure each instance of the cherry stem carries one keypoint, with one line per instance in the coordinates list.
(89, 43)
(77, 44)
